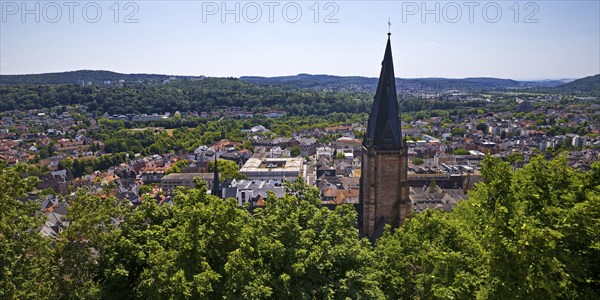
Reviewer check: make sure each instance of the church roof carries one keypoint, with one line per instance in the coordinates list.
(383, 129)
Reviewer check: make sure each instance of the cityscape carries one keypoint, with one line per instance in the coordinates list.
(129, 184)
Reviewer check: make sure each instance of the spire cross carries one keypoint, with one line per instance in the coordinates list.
(389, 26)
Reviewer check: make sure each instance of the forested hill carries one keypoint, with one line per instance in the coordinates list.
(312, 81)
(297, 95)
(297, 81)
(366, 83)
(95, 77)
(181, 95)
(587, 85)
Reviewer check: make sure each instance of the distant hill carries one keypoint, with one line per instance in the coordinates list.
(308, 80)
(367, 83)
(180, 95)
(301, 94)
(545, 83)
(587, 85)
(319, 82)
(85, 75)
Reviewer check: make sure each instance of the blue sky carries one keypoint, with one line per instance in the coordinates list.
(526, 40)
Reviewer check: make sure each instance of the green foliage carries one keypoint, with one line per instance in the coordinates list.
(562, 130)
(227, 170)
(318, 257)
(144, 189)
(587, 85)
(530, 233)
(527, 234)
(533, 213)
(429, 257)
(433, 188)
(295, 151)
(25, 264)
(483, 127)
(86, 166)
(340, 155)
(66, 164)
(461, 151)
(458, 131)
(204, 247)
(418, 161)
(204, 95)
(176, 168)
(515, 158)
(82, 246)
(118, 135)
(73, 77)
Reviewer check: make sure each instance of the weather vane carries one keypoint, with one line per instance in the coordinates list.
(389, 26)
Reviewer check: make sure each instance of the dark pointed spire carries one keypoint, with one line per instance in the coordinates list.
(383, 129)
(216, 188)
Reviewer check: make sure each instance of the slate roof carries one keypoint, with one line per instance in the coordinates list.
(383, 128)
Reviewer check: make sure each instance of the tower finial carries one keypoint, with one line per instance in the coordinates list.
(389, 26)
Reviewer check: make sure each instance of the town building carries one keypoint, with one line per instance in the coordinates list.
(285, 169)
(169, 182)
(252, 191)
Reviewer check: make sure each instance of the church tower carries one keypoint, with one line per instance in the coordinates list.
(383, 182)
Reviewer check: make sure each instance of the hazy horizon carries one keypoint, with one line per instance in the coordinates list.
(290, 75)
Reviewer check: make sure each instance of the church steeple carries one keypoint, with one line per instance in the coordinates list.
(383, 129)
(216, 188)
(384, 190)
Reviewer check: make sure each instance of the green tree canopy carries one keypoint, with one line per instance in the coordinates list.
(295, 151)
(530, 233)
(461, 151)
(26, 266)
(176, 167)
(418, 161)
(227, 170)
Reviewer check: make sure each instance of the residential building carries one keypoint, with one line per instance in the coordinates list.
(169, 182)
(285, 169)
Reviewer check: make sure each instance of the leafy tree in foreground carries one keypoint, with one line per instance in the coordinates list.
(92, 227)
(25, 264)
(301, 251)
(530, 233)
(204, 247)
(537, 225)
(429, 257)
